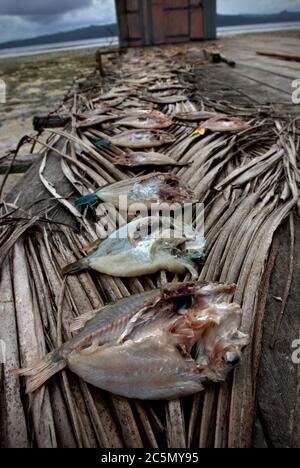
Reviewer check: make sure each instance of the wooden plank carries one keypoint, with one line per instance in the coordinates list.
(265, 78)
(20, 165)
(270, 68)
(278, 398)
(280, 55)
(176, 23)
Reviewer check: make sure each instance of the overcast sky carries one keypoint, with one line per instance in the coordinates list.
(20, 19)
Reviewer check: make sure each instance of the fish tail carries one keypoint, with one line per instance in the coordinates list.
(42, 371)
(75, 267)
(102, 142)
(86, 200)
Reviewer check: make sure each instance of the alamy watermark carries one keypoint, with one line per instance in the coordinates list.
(296, 93)
(2, 92)
(164, 220)
(2, 352)
(296, 353)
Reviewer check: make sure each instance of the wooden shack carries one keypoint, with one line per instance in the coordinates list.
(151, 22)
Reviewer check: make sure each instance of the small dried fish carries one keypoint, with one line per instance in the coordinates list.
(165, 87)
(141, 346)
(226, 124)
(113, 102)
(141, 159)
(100, 109)
(138, 81)
(95, 120)
(136, 139)
(132, 251)
(150, 189)
(164, 100)
(114, 93)
(146, 120)
(196, 116)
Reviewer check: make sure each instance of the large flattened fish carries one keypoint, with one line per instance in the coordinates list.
(151, 120)
(159, 345)
(225, 123)
(195, 116)
(150, 189)
(137, 139)
(143, 247)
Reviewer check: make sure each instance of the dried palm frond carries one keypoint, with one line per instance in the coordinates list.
(250, 184)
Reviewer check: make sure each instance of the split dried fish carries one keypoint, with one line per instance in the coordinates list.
(164, 100)
(165, 87)
(112, 102)
(142, 347)
(138, 81)
(138, 139)
(95, 120)
(132, 251)
(226, 124)
(196, 116)
(146, 120)
(141, 159)
(150, 189)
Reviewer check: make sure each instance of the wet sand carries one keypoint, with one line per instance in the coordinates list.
(37, 85)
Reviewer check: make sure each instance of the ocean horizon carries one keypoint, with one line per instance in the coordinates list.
(90, 43)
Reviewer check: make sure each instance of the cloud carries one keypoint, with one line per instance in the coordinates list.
(33, 18)
(39, 8)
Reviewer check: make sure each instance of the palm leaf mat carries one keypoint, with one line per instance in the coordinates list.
(249, 184)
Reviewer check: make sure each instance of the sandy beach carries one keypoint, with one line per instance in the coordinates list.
(37, 85)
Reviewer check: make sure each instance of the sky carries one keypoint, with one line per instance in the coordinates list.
(21, 19)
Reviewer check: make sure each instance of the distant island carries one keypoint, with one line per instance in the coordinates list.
(83, 34)
(244, 20)
(110, 30)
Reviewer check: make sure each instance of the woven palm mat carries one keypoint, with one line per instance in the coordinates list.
(249, 185)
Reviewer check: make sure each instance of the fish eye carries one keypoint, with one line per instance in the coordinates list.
(232, 358)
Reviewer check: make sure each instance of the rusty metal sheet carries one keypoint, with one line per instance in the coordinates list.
(149, 22)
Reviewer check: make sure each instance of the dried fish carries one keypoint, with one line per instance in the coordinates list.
(150, 189)
(196, 116)
(226, 124)
(146, 120)
(95, 120)
(115, 102)
(140, 159)
(164, 100)
(165, 87)
(132, 251)
(141, 347)
(138, 139)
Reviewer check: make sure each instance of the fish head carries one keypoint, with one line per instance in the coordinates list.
(216, 341)
(219, 339)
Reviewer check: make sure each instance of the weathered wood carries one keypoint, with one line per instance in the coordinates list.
(278, 398)
(33, 195)
(280, 55)
(105, 51)
(40, 122)
(19, 165)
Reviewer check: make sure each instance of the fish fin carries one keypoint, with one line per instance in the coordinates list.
(102, 142)
(90, 248)
(190, 266)
(41, 372)
(86, 200)
(80, 322)
(75, 267)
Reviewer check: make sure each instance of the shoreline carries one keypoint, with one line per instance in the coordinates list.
(102, 42)
(62, 48)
